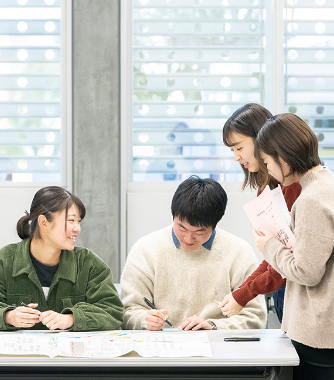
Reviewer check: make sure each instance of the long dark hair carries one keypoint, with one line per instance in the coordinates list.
(47, 201)
(287, 136)
(248, 121)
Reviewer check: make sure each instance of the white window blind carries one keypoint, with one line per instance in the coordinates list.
(309, 68)
(30, 91)
(194, 63)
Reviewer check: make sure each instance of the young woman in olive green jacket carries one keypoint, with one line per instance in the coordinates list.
(48, 283)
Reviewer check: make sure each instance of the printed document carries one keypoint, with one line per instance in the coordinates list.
(264, 213)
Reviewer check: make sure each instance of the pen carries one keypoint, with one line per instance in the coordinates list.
(24, 304)
(242, 339)
(151, 305)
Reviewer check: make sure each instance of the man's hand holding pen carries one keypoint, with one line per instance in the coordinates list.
(156, 319)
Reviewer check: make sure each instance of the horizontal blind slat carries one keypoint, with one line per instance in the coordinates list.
(30, 27)
(22, 54)
(195, 4)
(29, 137)
(31, 4)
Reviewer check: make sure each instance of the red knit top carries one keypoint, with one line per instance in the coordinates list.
(265, 279)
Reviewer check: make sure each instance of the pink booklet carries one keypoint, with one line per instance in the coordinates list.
(264, 213)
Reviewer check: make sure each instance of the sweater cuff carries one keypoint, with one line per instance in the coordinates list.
(3, 324)
(270, 247)
(79, 323)
(243, 296)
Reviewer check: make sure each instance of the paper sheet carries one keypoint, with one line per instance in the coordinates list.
(173, 345)
(281, 204)
(184, 337)
(106, 344)
(264, 213)
(97, 347)
(145, 344)
(173, 350)
(20, 344)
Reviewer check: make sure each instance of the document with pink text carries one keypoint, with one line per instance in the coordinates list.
(264, 213)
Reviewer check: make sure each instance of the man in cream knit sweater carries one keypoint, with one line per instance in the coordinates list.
(186, 267)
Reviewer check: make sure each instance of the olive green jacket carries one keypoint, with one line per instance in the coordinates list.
(82, 286)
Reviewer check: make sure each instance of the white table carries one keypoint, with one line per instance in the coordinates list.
(239, 358)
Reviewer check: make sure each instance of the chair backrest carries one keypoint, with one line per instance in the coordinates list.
(119, 289)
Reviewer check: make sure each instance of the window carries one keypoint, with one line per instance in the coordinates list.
(30, 91)
(309, 68)
(195, 62)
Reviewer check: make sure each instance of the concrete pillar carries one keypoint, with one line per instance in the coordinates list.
(96, 94)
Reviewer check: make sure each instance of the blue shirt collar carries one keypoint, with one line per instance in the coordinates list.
(207, 244)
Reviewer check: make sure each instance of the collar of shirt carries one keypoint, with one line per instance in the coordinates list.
(207, 244)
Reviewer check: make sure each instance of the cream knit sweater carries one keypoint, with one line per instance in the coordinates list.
(187, 283)
(308, 315)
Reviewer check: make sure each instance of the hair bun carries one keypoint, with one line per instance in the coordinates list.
(27, 213)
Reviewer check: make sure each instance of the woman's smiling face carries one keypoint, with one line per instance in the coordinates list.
(279, 172)
(58, 236)
(243, 150)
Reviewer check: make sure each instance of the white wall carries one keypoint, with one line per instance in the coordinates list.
(13, 202)
(148, 209)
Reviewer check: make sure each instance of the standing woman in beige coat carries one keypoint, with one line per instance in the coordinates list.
(289, 148)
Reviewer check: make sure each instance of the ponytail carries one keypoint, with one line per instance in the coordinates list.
(23, 226)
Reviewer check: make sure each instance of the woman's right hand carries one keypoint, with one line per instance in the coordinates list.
(155, 319)
(23, 316)
(230, 306)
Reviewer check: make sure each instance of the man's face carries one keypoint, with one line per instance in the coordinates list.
(191, 237)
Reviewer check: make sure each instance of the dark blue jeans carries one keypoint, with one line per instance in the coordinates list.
(278, 296)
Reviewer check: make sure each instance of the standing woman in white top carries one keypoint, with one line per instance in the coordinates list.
(289, 148)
